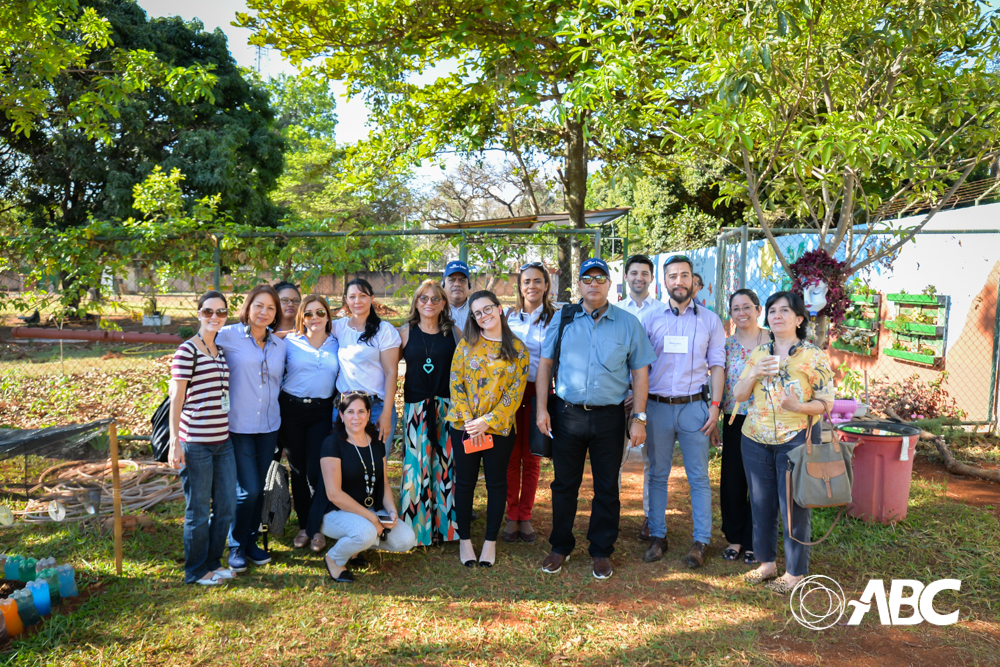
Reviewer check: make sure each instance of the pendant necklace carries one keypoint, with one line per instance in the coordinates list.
(428, 365)
(369, 478)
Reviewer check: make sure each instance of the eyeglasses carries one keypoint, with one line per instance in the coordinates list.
(532, 265)
(285, 301)
(208, 312)
(739, 310)
(423, 298)
(478, 314)
(318, 313)
(586, 280)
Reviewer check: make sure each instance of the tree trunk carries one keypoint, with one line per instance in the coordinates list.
(565, 264)
(821, 332)
(575, 186)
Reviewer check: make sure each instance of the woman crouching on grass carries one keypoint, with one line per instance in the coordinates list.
(200, 444)
(362, 512)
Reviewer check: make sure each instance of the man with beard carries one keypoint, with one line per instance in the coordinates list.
(457, 285)
(690, 344)
(593, 346)
(639, 277)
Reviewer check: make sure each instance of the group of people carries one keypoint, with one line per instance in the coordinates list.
(488, 389)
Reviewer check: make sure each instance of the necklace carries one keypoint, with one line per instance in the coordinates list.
(369, 477)
(428, 365)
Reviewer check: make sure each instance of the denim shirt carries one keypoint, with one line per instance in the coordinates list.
(254, 379)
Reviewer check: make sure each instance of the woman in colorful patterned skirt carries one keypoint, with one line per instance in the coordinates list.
(427, 492)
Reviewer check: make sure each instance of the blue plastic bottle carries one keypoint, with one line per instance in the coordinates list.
(40, 592)
(67, 583)
(11, 567)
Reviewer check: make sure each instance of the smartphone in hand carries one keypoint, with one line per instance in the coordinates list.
(383, 517)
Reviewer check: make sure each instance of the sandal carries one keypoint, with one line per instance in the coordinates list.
(755, 577)
(301, 539)
(318, 543)
(780, 586)
(750, 559)
(730, 554)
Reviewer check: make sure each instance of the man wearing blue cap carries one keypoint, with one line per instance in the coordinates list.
(594, 350)
(457, 285)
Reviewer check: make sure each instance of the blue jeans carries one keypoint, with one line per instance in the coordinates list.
(209, 481)
(665, 424)
(254, 453)
(765, 466)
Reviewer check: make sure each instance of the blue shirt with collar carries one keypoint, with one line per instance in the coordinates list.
(254, 379)
(596, 358)
(310, 372)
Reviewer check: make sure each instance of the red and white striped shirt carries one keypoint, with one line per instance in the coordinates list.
(203, 421)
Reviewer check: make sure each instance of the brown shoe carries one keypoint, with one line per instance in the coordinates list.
(527, 536)
(317, 543)
(644, 531)
(553, 563)
(602, 568)
(657, 545)
(510, 536)
(696, 556)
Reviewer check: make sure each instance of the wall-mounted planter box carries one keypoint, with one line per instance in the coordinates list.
(914, 328)
(861, 324)
(928, 359)
(872, 299)
(918, 299)
(853, 349)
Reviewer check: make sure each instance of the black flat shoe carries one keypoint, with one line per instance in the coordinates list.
(485, 563)
(344, 577)
(750, 559)
(469, 563)
(730, 554)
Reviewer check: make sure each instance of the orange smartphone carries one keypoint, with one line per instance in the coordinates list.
(478, 444)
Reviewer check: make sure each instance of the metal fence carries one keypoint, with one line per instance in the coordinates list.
(924, 320)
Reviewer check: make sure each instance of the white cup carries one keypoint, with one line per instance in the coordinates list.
(772, 364)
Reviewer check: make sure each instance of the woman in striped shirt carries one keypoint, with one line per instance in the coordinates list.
(200, 444)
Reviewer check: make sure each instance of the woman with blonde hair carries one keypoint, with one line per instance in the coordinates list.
(427, 491)
(306, 402)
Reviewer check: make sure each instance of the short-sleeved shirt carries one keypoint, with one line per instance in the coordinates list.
(701, 334)
(310, 372)
(530, 329)
(484, 385)
(767, 422)
(596, 358)
(736, 361)
(354, 461)
(361, 363)
(642, 311)
(203, 421)
(255, 379)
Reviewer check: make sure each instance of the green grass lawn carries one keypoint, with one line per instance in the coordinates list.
(424, 608)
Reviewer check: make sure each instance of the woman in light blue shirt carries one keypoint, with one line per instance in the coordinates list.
(306, 401)
(256, 359)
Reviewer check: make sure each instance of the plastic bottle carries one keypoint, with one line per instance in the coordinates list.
(8, 608)
(26, 607)
(52, 579)
(40, 592)
(44, 564)
(67, 583)
(4, 637)
(27, 570)
(10, 567)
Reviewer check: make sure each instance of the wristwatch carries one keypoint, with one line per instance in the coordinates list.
(715, 404)
(639, 417)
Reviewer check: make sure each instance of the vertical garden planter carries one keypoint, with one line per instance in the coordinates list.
(868, 305)
(923, 342)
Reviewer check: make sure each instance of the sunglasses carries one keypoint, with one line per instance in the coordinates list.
(208, 312)
(423, 298)
(532, 265)
(318, 313)
(285, 301)
(487, 310)
(586, 280)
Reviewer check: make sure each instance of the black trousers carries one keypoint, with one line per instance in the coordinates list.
(494, 461)
(575, 433)
(734, 499)
(304, 426)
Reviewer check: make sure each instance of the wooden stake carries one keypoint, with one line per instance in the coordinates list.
(116, 495)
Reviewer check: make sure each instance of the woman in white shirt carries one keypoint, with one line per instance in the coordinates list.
(368, 353)
(306, 402)
(528, 321)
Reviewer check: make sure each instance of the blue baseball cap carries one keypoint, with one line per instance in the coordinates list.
(595, 263)
(456, 266)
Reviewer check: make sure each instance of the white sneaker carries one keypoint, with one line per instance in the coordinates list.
(225, 573)
(214, 580)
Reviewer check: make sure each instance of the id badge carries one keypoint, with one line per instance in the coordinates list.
(224, 401)
(675, 344)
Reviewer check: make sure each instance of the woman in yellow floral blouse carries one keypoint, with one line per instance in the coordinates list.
(792, 384)
(488, 375)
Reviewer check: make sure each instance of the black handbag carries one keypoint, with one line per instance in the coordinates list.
(160, 439)
(539, 444)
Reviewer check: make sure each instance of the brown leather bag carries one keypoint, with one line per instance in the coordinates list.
(819, 475)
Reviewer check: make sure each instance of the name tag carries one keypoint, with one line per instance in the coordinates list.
(224, 401)
(675, 344)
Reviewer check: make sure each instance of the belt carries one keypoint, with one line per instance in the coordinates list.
(591, 408)
(675, 400)
(307, 401)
